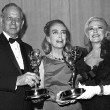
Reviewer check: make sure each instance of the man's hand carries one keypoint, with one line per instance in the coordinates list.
(28, 78)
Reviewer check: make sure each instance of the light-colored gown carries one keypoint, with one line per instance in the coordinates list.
(56, 77)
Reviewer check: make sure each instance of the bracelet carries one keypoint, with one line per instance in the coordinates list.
(101, 90)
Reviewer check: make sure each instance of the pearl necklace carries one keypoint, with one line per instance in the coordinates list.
(53, 57)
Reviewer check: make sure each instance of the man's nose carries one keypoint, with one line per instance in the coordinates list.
(13, 21)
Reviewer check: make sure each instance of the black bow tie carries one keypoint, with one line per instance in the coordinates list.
(11, 40)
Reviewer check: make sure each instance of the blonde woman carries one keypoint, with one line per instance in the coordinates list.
(95, 66)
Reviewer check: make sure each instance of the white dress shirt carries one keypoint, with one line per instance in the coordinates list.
(16, 51)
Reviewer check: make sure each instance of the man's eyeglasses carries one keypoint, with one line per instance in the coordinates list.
(18, 20)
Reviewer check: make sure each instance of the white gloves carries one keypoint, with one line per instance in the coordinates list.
(106, 90)
(90, 91)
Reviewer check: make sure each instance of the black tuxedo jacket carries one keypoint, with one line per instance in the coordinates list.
(11, 99)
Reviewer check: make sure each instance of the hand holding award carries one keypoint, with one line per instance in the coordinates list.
(36, 94)
(71, 56)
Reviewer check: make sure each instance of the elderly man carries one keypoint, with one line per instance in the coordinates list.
(15, 70)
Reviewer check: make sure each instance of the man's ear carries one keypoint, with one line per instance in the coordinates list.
(22, 24)
(1, 20)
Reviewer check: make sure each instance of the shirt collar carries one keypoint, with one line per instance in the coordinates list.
(7, 36)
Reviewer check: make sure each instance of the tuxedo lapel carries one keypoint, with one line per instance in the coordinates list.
(9, 52)
(24, 56)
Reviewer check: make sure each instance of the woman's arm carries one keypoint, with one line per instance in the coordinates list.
(41, 72)
(90, 91)
(94, 90)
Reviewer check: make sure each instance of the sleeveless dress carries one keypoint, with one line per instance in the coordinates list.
(56, 77)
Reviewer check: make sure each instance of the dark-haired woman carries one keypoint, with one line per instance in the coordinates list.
(56, 73)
